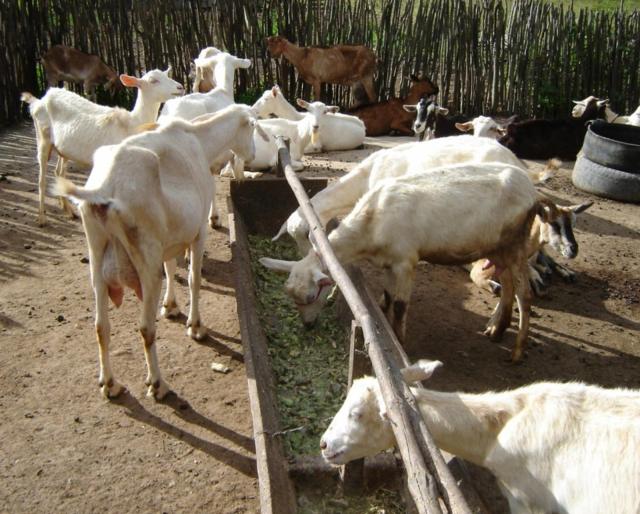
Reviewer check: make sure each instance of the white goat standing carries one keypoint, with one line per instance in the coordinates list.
(145, 201)
(75, 127)
(339, 197)
(337, 131)
(193, 105)
(564, 448)
(451, 215)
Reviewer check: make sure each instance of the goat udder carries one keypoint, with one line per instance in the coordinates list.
(118, 272)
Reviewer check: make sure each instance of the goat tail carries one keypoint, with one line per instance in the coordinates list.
(64, 187)
(550, 169)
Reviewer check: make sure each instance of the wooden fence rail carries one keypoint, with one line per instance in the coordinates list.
(427, 481)
(487, 56)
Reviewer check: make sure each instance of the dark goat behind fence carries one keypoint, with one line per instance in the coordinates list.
(490, 56)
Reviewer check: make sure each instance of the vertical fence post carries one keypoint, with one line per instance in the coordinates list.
(352, 474)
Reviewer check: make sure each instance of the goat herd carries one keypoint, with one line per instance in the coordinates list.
(446, 200)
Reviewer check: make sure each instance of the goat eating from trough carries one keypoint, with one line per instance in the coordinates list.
(403, 220)
(145, 202)
(567, 448)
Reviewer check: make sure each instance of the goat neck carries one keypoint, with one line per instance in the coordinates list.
(218, 132)
(144, 111)
(466, 424)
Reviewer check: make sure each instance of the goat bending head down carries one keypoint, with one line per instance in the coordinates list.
(553, 447)
(406, 219)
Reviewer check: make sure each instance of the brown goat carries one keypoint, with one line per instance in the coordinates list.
(383, 117)
(340, 64)
(65, 63)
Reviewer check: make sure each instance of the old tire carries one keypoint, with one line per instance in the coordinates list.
(614, 146)
(608, 182)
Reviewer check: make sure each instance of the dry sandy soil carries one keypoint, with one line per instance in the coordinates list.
(64, 448)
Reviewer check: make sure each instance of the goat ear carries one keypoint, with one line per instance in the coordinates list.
(577, 209)
(302, 103)
(167, 72)
(277, 264)
(432, 98)
(129, 81)
(501, 130)
(578, 102)
(332, 108)
(321, 279)
(275, 90)
(244, 63)
(443, 110)
(421, 370)
(410, 108)
(547, 210)
(464, 127)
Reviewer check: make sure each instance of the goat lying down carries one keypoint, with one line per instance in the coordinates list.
(564, 448)
(145, 201)
(449, 215)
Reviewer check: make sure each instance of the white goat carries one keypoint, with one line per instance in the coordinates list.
(193, 105)
(75, 127)
(448, 215)
(611, 117)
(340, 197)
(145, 201)
(337, 131)
(482, 126)
(554, 447)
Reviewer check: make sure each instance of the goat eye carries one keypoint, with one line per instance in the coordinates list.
(153, 81)
(355, 415)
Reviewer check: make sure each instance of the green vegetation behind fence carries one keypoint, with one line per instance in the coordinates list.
(487, 56)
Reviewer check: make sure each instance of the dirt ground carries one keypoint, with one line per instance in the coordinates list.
(64, 448)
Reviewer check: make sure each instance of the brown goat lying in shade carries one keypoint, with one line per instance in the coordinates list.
(546, 139)
(384, 117)
(65, 63)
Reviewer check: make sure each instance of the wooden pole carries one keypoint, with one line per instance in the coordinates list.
(408, 426)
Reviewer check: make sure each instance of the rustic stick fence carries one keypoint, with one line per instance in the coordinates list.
(487, 56)
(429, 480)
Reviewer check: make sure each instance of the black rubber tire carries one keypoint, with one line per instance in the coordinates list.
(613, 145)
(608, 182)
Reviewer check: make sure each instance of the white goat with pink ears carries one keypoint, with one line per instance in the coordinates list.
(567, 448)
(75, 127)
(145, 202)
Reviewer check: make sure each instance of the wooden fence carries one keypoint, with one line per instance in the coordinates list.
(487, 56)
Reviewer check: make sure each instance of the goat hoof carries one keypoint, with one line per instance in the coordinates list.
(214, 222)
(170, 311)
(196, 332)
(569, 278)
(493, 332)
(516, 356)
(42, 220)
(158, 390)
(111, 391)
